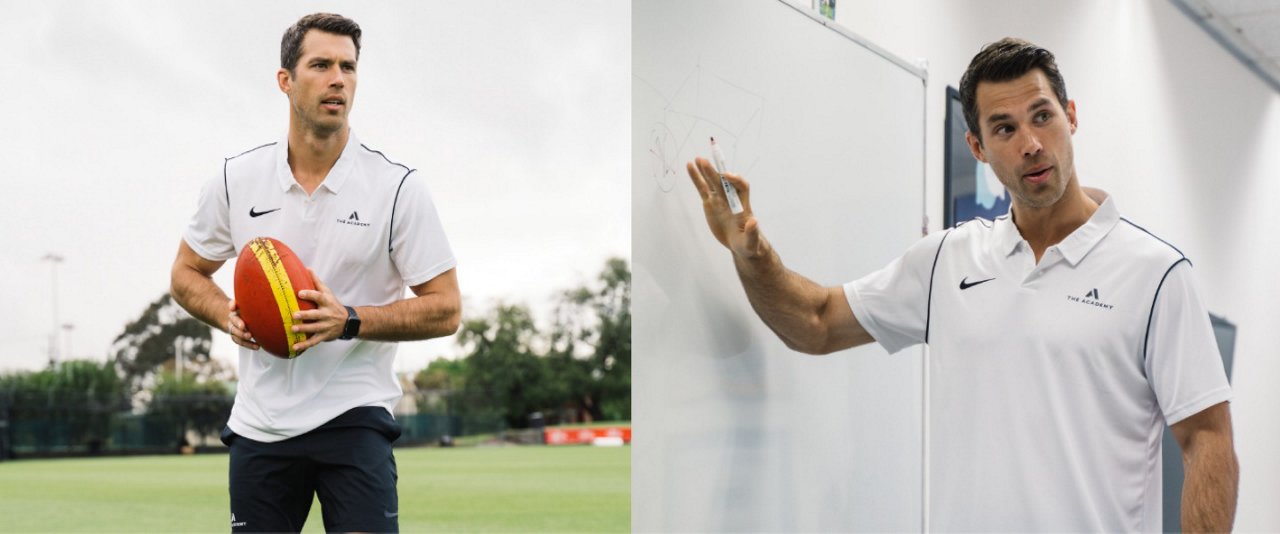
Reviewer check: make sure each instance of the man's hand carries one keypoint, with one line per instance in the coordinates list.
(324, 323)
(739, 233)
(235, 326)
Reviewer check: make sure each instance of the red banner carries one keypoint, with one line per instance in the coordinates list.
(585, 436)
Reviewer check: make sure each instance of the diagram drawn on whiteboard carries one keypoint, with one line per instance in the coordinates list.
(702, 106)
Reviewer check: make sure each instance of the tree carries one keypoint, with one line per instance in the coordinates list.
(593, 327)
(584, 364)
(439, 383)
(151, 343)
(504, 375)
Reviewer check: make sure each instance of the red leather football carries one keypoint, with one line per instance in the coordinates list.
(268, 279)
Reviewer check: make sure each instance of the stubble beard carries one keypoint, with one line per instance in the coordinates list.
(315, 124)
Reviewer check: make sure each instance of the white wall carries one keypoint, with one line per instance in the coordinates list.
(1177, 130)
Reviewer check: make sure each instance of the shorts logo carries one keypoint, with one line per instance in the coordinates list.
(235, 523)
(353, 220)
(1091, 298)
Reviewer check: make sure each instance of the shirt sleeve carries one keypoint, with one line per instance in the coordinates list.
(1182, 358)
(419, 246)
(209, 233)
(892, 304)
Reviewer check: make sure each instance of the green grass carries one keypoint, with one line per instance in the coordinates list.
(460, 489)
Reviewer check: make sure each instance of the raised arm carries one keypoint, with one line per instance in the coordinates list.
(807, 317)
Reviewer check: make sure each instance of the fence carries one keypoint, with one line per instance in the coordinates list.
(45, 429)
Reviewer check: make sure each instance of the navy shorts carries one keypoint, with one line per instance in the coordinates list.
(347, 462)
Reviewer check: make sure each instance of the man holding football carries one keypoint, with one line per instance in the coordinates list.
(320, 424)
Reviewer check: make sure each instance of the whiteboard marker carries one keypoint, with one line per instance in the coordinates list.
(730, 193)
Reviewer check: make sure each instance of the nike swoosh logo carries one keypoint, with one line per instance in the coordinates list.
(253, 213)
(964, 284)
(389, 515)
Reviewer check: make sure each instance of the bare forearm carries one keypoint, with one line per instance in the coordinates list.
(423, 317)
(200, 296)
(1209, 490)
(789, 304)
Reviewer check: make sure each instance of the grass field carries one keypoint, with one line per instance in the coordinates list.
(490, 489)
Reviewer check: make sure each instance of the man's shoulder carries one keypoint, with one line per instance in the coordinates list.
(256, 154)
(250, 161)
(1138, 244)
(376, 162)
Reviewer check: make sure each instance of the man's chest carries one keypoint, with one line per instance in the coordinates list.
(1012, 308)
(329, 232)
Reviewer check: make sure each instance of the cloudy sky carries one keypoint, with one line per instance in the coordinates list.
(115, 114)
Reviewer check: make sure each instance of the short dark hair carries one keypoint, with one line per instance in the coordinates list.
(1001, 61)
(291, 43)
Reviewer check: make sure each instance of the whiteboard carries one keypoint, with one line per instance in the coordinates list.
(733, 430)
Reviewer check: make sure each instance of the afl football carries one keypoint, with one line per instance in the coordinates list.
(267, 281)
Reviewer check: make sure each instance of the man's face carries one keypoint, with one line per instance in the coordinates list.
(323, 85)
(1026, 137)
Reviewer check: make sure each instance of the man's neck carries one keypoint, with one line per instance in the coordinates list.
(1048, 226)
(312, 154)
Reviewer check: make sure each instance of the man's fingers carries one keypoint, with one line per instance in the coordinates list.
(244, 341)
(310, 328)
(744, 190)
(304, 345)
(319, 285)
(308, 315)
(698, 182)
(712, 177)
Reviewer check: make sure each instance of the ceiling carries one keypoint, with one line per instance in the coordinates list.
(1249, 29)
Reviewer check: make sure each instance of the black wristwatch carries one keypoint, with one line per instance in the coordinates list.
(352, 328)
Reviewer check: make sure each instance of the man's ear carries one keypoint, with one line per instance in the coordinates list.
(975, 146)
(1071, 115)
(284, 80)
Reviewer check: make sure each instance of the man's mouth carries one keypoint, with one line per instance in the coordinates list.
(333, 104)
(1038, 175)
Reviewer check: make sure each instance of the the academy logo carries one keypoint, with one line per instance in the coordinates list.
(1091, 298)
(235, 523)
(353, 220)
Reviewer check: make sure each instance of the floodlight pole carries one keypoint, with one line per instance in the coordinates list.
(66, 332)
(53, 259)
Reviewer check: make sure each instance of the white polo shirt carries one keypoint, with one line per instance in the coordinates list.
(1050, 384)
(368, 231)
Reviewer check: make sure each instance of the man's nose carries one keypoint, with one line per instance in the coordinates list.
(1031, 145)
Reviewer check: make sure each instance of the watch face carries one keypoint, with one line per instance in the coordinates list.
(352, 328)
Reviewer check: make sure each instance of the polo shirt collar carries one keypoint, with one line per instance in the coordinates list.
(337, 175)
(1077, 245)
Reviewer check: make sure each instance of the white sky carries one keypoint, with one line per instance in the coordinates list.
(114, 115)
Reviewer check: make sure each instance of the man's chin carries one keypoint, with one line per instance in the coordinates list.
(327, 126)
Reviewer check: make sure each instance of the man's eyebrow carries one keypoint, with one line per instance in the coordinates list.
(1039, 103)
(999, 117)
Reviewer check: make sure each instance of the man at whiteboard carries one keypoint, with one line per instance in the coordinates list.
(1062, 335)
